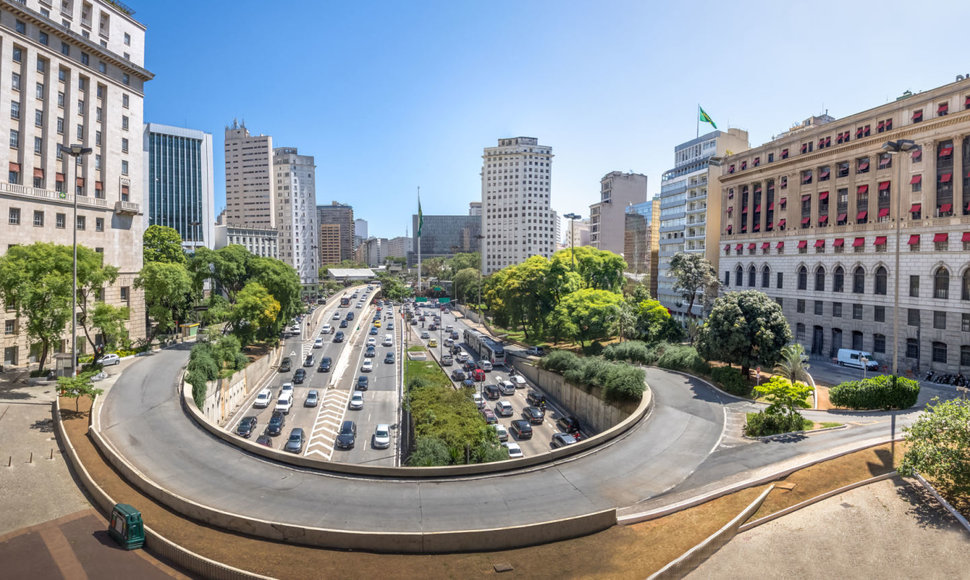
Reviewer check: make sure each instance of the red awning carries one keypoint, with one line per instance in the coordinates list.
(946, 207)
(806, 197)
(917, 154)
(839, 242)
(15, 167)
(771, 206)
(883, 185)
(946, 177)
(780, 245)
(863, 165)
(861, 215)
(863, 189)
(730, 208)
(880, 240)
(944, 107)
(765, 245)
(917, 114)
(80, 181)
(802, 244)
(966, 237)
(757, 207)
(756, 227)
(884, 212)
(781, 223)
(858, 242)
(770, 224)
(882, 125)
(738, 247)
(823, 196)
(946, 151)
(819, 243)
(727, 248)
(783, 201)
(824, 172)
(805, 220)
(941, 237)
(751, 246)
(842, 217)
(729, 228)
(916, 179)
(744, 209)
(966, 102)
(914, 239)
(822, 219)
(38, 172)
(59, 177)
(98, 186)
(916, 207)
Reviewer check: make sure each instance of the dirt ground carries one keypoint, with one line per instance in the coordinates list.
(632, 551)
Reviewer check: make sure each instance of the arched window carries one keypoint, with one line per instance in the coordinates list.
(881, 280)
(765, 277)
(941, 283)
(965, 292)
(751, 276)
(858, 280)
(738, 273)
(820, 279)
(803, 278)
(838, 281)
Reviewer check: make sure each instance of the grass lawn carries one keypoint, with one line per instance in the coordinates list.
(428, 371)
(416, 348)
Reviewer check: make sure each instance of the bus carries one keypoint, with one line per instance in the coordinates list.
(486, 348)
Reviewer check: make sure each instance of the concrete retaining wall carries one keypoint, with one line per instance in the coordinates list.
(224, 396)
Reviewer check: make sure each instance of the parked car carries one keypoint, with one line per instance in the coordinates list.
(501, 432)
(492, 392)
(515, 452)
(504, 409)
(562, 440)
(356, 401)
(286, 365)
(347, 435)
(367, 367)
(478, 400)
(382, 436)
(276, 423)
(246, 427)
(536, 351)
(534, 415)
(521, 429)
(362, 383)
(295, 443)
(325, 364)
(568, 424)
(299, 376)
(457, 375)
(263, 399)
(389, 358)
(489, 416)
(308, 361)
(312, 398)
(339, 337)
(110, 359)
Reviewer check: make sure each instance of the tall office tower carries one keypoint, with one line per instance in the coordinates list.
(517, 220)
(618, 190)
(179, 183)
(360, 231)
(296, 216)
(475, 208)
(73, 74)
(250, 183)
(641, 248)
(684, 211)
(336, 242)
(398, 247)
(443, 236)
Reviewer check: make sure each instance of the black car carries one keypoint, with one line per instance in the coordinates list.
(568, 424)
(362, 383)
(246, 427)
(457, 375)
(286, 365)
(265, 440)
(347, 436)
(339, 337)
(469, 366)
(350, 316)
(276, 423)
(492, 392)
(562, 440)
(389, 358)
(325, 364)
(455, 349)
(295, 443)
(308, 361)
(521, 428)
(536, 399)
(343, 324)
(299, 376)
(535, 415)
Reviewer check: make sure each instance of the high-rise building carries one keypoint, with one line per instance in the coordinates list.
(641, 247)
(360, 231)
(475, 208)
(398, 247)
(250, 182)
(179, 183)
(517, 219)
(296, 216)
(577, 233)
(618, 190)
(831, 225)
(684, 211)
(60, 88)
(337, 242)
(443, 236)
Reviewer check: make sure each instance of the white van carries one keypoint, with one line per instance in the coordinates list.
(284, 403)
(853, 358)
(388, 339)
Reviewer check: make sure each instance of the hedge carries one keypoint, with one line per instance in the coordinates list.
(619, 381)
(731, 380)
(765, 423)
(879, 392)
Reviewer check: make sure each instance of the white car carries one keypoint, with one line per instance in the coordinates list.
(382, 436)
(318, 343)
(501, 431)
(327, 329)
(479, 401)
(287, 388)
(110, 359)
(519, 381)
(367, 367)
(357, 401)
(515, 451)
(371, 341)
(284, 403)
(263, 399)
(336, 316)
(504, 409)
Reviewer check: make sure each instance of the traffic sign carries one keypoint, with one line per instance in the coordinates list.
(444, 300)
(421, 299)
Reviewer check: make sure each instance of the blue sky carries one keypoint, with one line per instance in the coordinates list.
(391, 95)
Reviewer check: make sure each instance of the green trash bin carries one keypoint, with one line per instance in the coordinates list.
(126, 527)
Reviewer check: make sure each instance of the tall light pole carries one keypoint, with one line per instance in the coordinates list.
(894, 147)
(480, 237)
(572, 217)
(75, 151)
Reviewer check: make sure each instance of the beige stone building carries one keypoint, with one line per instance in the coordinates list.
(250, 182)
(72, 72)
(607, 217)
(815, 217)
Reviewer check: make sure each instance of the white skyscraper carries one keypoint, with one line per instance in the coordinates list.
(517, 221)
(250, 184)
(296, 212)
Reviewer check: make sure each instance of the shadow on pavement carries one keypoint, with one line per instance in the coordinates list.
(923, 507)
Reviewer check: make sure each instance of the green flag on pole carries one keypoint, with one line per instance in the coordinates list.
(704, 117)
(420, 218)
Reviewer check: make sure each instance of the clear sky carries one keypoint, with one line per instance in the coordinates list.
(392, 95)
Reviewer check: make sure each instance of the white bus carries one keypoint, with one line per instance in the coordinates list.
(486, 348)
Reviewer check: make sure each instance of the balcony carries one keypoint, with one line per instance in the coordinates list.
(50, 196)
(127, 208)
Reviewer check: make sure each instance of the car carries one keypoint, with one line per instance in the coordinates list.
(457, 375)
(536, 351)
(536, 399)
(485, 365)
(382, 436)
(263, 399)
(377, 323)
(414, 322)
(388, 340)
(515, 452)
(286, 388)
(448, 342)
(501, 432)
(359, 305)
(373, 331)
(284, 403)
(312, 398)
(299, 376)
(318, 343)
(519, 382)
(347, 435)
(505, 386)
(432, 327)
(389, 358)
(449, 329)
(362, 383)
(489, 416)
(246, 427)
(432, 343)
(339, 337)
(478, 400)
(468, 366)
(308, 361)
(478, 375)
(504, 409)
(371, 341)
(295, 443)
(425, 335)
(327, 329)
(336, 315)
(370, 352)
(521, 429)
(265, 440)
(568, 424)
(562, 440)
(456, 350)
(325, 364)
(491, 392)
(285, 365)
(356, 401)
(447, 360)
(276, 423)
(390, 325)
(350, 316)
(110, 359)
(343, 324)
(367, 367)
(468, 383)
(464, 357)
(534, 415)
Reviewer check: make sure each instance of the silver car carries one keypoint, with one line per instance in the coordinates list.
(382, 436)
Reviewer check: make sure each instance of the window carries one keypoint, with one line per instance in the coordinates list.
(65, 49)
(14, 138)
(99, 224)
(125, 294)
(40, 91)
(965, 322)
(38, 144)
(43, 38)
(912, 348)
(837, 309)
(727, 278)
(914, 286)
(124, 101)
(751, 276)
(60, 220)
(879, 314)
(14, 216)
(939, 320)
(14, 109)
(838, 279)
(38, 219)
(965, 286)
(97, 161)
(881, 280)
(41, 65)
(102, 67)
(85, 59)
(941, 283)
(80, 132)
(857, 311)
(21, 27)
(818, 307)
(780, 280)
(127, 39)
(60, 99)
(765, 277)
(97, 138)
(39, 118)
(15, 82)
(738, 273)
(879, 343)
(18, 54)
(60, 125)
(124, 167)
(125, 78)
(820, 279)
(803, 278)
(124, 123)
(10, 326)
(124, 145)
(912, 316)
(858, 280)
(800, 306)
(939, 352)
(965, 355)
(862, 165)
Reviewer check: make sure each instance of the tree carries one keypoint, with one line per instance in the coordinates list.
(589, 314)
(169, 294)
(653, 322)
(626, 320)
(283, 283)
(747, 328)
(92, 276)
(77, 387)
(694, 274)
(162, 244)
(599, 269)
(939, 445)
(791, 366)
(785, 396)
(112, 322)
(254, 313)
(464, 261)
(433, 268)
(228, 267)
(465, 282)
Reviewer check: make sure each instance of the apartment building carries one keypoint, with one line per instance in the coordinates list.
(260, 242)
(838, 227)
(607, 217)
(296, 215)
(641, 248)
(250, 181)
(336, 242)
(73, 72)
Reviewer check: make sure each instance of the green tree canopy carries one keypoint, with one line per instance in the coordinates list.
(463, 261)
(466, 284)
(228, 267)
(255, 313)
(112, 323)
(589, 314)
(784, 396)
(92, 276)
(599, 269)
(654, 323)
(283, 283)
(169, 294)
(939, 445)
(747, 328)
(77, 387)
(163, 244)
(693, 274)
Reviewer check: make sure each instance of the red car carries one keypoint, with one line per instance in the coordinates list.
(478, 375)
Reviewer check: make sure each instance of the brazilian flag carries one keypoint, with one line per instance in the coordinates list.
(420, 218)
(704, 117)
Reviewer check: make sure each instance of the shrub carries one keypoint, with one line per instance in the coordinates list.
(879, 392)
(559, 361)
(682, 358)
(765, 423)
(631, 351)
(730, 379)
(197, 379)
(625, 383)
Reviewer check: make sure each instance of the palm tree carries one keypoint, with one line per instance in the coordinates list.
(793, 367)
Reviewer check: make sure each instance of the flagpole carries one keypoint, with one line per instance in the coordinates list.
(419, 240)
(698, 121)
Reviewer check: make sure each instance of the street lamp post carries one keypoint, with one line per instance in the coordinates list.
(75, 151)
(893, 148)
(572, 217)
(480, 237)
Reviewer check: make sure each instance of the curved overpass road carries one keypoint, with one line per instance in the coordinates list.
(141, 417)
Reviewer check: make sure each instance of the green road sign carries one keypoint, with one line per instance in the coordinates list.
(421, 299)
(444, 300)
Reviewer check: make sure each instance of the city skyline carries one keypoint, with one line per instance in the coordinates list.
(412, 100)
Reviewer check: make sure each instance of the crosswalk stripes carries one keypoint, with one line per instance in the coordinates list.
(323, 435)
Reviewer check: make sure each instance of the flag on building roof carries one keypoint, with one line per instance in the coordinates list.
(704, 117)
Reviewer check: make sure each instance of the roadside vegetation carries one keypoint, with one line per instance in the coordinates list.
(878, 392)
